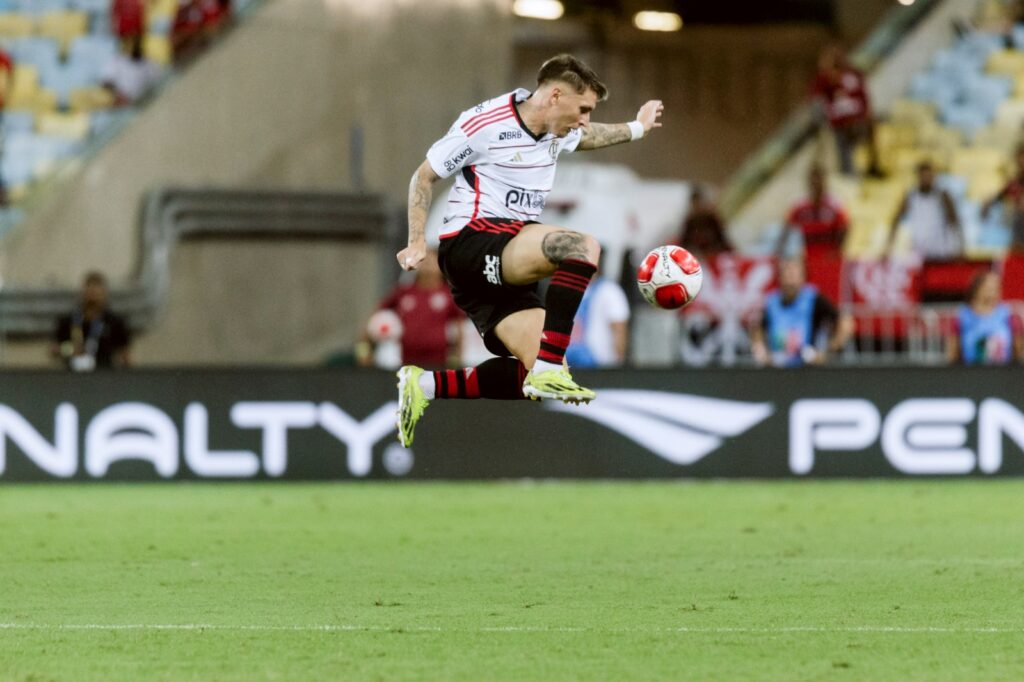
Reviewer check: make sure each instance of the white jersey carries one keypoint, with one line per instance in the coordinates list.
(506, 171)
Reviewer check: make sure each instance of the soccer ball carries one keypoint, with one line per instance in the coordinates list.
(669, 277)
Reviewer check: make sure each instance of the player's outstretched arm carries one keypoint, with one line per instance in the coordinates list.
(421, 193)
(598, 135)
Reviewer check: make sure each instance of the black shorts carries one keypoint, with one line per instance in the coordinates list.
(471, 262)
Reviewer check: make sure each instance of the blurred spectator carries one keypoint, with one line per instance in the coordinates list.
(823, 224)
(425, 309)
(130, 76)
(1012, 196)
(129, 21)
(600, 333)
(985, 331)
(6, 83)
(703, 230)
(799, 325)
(930, 215)
(91, 336)
(196, 22)
(841, 91)
(819, 218)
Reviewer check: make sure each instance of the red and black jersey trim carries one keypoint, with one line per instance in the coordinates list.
(497, 225)
(519, 120)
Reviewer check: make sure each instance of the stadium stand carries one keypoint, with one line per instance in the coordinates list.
(57, 102)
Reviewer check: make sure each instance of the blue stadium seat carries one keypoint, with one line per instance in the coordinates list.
(41, 6)
(43, 53)
(91, 6)
(63, 78)
(92, 53)
(18, 122)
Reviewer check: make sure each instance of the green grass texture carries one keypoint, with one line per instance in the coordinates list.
(513, 581)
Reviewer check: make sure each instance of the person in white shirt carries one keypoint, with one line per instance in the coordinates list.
(930, 214)
(131, 76)
(493, 249)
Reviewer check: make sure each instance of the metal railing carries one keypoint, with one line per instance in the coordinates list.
(170, 216)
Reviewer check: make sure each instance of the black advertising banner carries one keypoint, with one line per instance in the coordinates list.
(323, 424)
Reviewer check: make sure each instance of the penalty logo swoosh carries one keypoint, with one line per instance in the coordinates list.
(677, 427)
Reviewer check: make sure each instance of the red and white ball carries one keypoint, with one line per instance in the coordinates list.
(669, 277)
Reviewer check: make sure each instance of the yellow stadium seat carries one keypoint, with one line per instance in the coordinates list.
(161, 9)
(889, 135)
(43, 101)
(24, 87)
(90, 99)
(73, 126)
(911, 111)
(971, 160)
(15, 25)
(985, 185)
(998, 137)
(937, 137)
(63, 26)
(903, 161)
(1010, 113)
(158, 48)
(1008, 62)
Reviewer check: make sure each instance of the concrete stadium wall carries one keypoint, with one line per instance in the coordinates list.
(725, 89)
(273, 105)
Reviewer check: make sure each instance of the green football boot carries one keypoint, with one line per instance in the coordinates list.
(411, 402)
(556, 384)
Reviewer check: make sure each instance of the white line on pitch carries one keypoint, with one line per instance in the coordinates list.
(509, 628)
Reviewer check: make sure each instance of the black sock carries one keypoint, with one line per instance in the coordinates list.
(564, 295)
(497, 378)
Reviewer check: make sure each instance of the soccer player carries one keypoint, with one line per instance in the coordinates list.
(493, 251)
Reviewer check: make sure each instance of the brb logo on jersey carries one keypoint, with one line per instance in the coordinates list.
(451, 164)
(492, 269)
(510, 135)
(521, 198)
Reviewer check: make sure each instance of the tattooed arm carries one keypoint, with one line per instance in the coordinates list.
(421, 192)
(597, 135)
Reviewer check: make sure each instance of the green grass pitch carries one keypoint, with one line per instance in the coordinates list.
(517, 581)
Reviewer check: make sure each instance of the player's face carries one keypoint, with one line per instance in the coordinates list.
(571, 110)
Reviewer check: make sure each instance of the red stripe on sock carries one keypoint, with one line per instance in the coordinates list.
(547, 356)
(472, 383)
(555, 338)
(572, 276)
(571, 287)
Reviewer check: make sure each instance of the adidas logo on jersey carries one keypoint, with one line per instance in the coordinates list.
(492, 269)
(518, 158)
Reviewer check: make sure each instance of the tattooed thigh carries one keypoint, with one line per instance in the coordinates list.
(560, 246)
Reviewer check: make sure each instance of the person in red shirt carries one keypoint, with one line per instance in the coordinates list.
(823, 223)
(425, 308)
(841, 91)
(6, 82)
(129, 21)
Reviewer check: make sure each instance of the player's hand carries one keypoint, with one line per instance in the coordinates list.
(411, 256)
(649, 114)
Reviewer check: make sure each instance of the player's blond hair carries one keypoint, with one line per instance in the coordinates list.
(569, 69)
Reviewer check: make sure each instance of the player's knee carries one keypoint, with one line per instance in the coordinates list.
(567, 245)
(593, 248)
